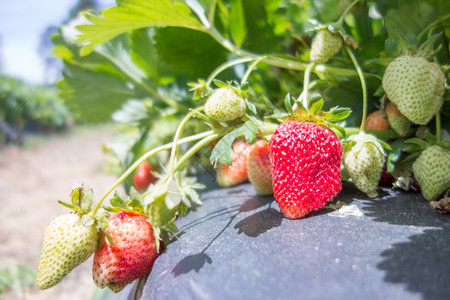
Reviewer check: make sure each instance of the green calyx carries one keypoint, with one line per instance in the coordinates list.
(357, 141)
(81, 204)
(296, 111)
(415, 146)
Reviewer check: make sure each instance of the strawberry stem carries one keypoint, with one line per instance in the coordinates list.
(438, 127)
(143, 158)
(307, 76)
(430, 26)
(173, 153)
(347, 10)
(363, 84)
(194, 149)
(276, 61)
(380, 134)
(250, 69)
(229, 64)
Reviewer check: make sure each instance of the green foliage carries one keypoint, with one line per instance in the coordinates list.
(137, 61)
(15, 277)
(27, 107)
(131, 15)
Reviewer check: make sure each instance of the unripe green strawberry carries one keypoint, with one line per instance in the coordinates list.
(67, 243)
(225, 105)
(131, 255)
(397, 120)
(260, 168)
(236, 173)
(325, 45)
(364, 162)
(306, 169)
(431, 170)
(416, 86)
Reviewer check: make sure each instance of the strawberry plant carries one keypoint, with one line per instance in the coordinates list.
(196, 81)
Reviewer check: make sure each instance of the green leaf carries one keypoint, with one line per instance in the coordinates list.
(130, 15)
(431, 139)
(288, 105)
(391, 47)
(396, 150)
(220, 84)
(340, 129)
(118, 52)
(409, 18)
(86, 203)
(384, 144)
(223, 151)
(87, 220)
(338, 114)
(171, 227)
(315, 106)
(143, 52)
(251, 108)
(75, 196)
(188, 51)
(108, 239)
(100, 240)
(237, 22)
(264, 22)
(70, 206)
(94, 94)
(421, 143)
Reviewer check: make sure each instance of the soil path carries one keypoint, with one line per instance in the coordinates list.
(31, 182)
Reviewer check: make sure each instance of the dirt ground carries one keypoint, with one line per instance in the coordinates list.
(32, 179)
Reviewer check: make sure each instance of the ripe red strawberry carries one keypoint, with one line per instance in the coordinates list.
(398, 121)
(306, 168)
(325, 45)
(376, 120)
(416, 86)
(236, 173)
(225, 104)
(143, 176)
(386, 178)
(131, 255)
(260, 168)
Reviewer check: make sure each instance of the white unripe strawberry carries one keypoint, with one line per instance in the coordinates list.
(416, 86)
(67, 243)
(364, 162)
(431, 170)
(225, 105)
(325, 45)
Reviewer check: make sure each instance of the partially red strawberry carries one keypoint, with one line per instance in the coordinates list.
(386, 178)
(260, 168)
(133, 251)
(236, 173)
(143, 176)
(306, 168)
(377, 120)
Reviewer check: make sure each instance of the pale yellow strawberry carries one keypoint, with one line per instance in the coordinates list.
(260, 168)
(67, 243)
(364, 162)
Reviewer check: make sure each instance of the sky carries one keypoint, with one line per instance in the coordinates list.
(21, 24)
